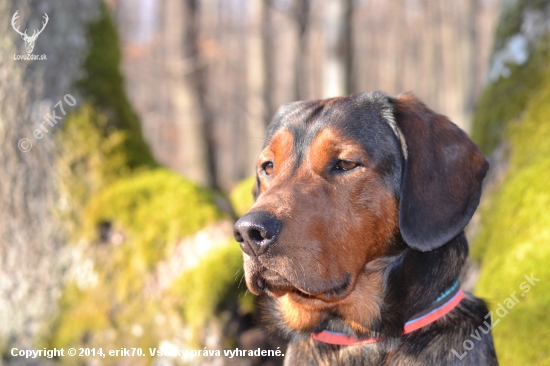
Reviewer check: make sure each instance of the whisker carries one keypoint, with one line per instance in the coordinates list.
(321, 263)
(326, 252)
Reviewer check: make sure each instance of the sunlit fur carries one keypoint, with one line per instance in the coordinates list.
(350, 256)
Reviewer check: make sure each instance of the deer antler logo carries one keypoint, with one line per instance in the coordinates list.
(29, 40)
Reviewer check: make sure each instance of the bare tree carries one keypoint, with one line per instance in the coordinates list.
(427, 47)
(257, 105)
(268, 44)
(472, 69)
(436, 49)
(197, 79)
(302, 15)
(337, 63)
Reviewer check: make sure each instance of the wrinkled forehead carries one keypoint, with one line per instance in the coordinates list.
(365, 119)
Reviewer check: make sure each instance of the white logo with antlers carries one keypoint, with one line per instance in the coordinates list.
(29, 40)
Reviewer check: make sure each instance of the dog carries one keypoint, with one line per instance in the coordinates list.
(356, 237)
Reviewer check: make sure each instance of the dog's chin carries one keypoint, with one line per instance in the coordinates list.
(266, 281)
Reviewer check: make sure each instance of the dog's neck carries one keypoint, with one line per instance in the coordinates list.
(414, 280)
(428, 274)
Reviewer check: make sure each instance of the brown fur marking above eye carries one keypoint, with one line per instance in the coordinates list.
(279, 151)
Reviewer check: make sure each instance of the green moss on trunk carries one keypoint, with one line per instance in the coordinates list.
(515, 238)
(505, 99)
(109, 302)
(103, 85)
(515, 241)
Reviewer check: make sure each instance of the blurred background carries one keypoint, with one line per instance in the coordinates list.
(126, 155)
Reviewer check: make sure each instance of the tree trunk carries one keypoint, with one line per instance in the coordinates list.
(302, 14)
(256, 76)
(31, 263)
(472, 70)
(336, 73)
(268, 45)
(196, 136)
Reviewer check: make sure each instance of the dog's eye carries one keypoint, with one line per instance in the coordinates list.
(345, 165)
(267, 167)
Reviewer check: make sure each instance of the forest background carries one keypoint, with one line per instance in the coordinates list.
(116, 216)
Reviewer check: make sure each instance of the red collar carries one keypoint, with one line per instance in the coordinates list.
(450, 300)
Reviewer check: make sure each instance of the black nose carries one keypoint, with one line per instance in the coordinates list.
(256, 231)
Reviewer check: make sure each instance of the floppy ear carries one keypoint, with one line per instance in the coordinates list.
(441, 181)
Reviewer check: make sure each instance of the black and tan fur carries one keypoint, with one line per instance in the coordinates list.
(361, 202)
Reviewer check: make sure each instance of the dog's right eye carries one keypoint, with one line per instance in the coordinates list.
(267, 167)
(345, 165)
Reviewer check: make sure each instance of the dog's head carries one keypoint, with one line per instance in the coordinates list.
(343, 182)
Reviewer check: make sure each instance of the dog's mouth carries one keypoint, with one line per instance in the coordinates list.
(273, 284)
